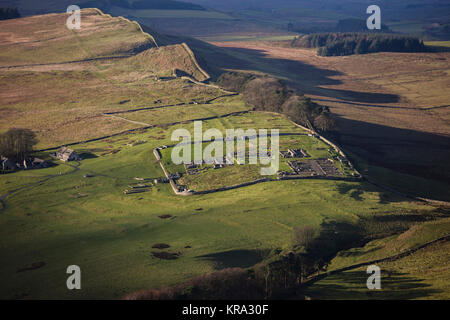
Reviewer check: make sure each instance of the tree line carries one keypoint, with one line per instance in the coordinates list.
(9, 13)
(343, 44)
(270, 94)
(343, 25)
(17, 144)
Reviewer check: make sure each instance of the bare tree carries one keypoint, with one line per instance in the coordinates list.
(267, 94)
(304, 236)
(325, 122)
(17, 143)
(299, 109)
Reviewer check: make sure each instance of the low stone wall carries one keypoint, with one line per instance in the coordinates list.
(347, 179)
(157, 154)
(241, 185)
(172, 183)
(189, 193)
(194, 61)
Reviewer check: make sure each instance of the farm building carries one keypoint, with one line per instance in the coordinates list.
(31, 163)
(34, 163)
(66, 154)
(7, 165)
(39, 163)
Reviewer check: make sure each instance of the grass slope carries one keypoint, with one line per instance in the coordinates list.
(56, 217)
(90, 222)
(46, 39)
(71, 102)
(422, 275)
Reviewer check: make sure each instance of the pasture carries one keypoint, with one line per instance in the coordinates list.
(422, 275)
(78, 213)
(90, 222)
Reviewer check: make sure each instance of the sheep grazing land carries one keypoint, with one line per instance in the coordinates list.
(89, 115)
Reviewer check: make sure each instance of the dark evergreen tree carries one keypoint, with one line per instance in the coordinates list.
(340, 44)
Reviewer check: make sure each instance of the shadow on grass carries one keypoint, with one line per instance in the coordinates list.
(354, 192)
(437, 49)
(236, 258)
(88, 155)
(352, 285)
(308, 77)
(406, 151)
(338, 236)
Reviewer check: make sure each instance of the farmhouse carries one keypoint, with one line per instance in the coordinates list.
(65, 154)
(7, 164)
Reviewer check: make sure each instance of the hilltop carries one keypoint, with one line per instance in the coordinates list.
(43, 51)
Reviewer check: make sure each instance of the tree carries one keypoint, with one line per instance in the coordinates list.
(17, 143)
(234, 81)
(340, 44)
(304, 236)
(301, 110)
(9, 13)
(325, 122)
(267, 94)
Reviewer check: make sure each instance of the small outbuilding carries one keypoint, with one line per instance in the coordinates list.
(38, 163)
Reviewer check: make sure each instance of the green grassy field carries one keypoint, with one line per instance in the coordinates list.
(438, 43)
(91, 223)
(422, 275)
(209, 178)
(392, 245)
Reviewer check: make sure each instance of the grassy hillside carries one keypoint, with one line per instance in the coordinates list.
(35, 40)
(168, 58)
(90, 222)
(78, 213)
(71, 68)
(423, 274)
